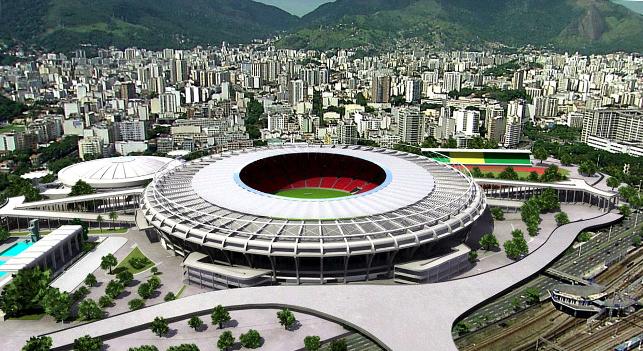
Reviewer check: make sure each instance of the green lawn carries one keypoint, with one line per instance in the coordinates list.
(12, 128)
(29, 317)
(124, 264)
(313, 193)
(108, 231)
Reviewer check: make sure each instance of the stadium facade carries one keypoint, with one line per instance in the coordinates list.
(225, 214)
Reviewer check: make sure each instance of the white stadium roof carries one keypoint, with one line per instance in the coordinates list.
(115, 172)
(204, 201)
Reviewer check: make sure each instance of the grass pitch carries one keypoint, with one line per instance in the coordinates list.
(313, 193)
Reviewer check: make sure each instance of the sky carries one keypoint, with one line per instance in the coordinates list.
(296, 7)
(634, 5)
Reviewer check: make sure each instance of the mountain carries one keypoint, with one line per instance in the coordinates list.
(636, 6)
(585, 25)
(296, 7)
(64, 24)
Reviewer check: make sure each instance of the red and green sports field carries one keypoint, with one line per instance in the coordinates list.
(523, 172)
(486, 158)
(312, 193)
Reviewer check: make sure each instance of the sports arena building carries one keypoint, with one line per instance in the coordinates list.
(310, 214)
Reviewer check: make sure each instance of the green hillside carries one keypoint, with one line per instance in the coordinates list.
(64, 24)
(586, 25)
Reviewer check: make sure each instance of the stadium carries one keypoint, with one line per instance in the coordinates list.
(309, 213)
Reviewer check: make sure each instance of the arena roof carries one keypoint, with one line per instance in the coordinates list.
(421, 200)
(115, 172)
(406, 183)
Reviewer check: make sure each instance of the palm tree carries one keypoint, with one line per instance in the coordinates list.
(100, 221)
(113, 216)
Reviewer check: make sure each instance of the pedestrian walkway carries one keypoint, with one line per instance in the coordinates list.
(75, 275)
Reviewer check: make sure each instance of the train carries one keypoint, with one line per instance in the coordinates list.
(634, 343)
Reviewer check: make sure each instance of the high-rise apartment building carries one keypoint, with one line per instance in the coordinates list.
(381, 89)
(411, 125)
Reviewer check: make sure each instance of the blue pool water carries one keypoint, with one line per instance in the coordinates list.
(2, 273)
(16, 249)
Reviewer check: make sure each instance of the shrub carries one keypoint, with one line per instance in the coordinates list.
(105, 301)
(338, 345)
(312, 343)
(498, 214)
(145, 291)
(136, 304)
(139, 262)
(251, 339)
(169, 297)
(87, 343)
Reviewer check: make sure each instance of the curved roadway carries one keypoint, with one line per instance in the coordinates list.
(406, 318)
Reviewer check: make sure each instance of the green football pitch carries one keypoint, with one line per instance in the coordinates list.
(313, 193)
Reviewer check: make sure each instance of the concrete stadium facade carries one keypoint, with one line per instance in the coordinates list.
(235, 234)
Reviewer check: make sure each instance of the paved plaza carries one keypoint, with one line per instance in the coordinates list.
(381, 312)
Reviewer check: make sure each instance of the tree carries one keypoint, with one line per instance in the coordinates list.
(477, 173)
(154, 270)
(360, 99)
(286, 318)
(89, 310)
(498, 214)
(184, 347)
(533, 295)
(533, 176)
(81, 188)
(100, 220)
(541, 154)
(144, 348)
(4, 234)
(23, 294)
(160, 326)
(338, 345)
(561, 218)
(107, 262)
(312, 343)
(625, 210)
(461, 328)
(145, 291)
(105, 301)
(488, 242)
(613, 182)
(515, 304)
(195, 323)
(473, 256)
(226, 341)
(113, 216)
(584, 237)
(566, 159)
(220, 316)
(509, 174)
(77, 221)
(57, 304)
(587, 168)
(136, 304)
(125, 277)
(87, 343)
(251, 339)
(155, 282)
(114, 288)
(551, 174)
(90, 280)
(38, 343)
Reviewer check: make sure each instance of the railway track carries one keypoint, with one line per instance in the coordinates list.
(561, 326)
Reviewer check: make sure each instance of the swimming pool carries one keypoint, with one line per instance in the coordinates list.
(2, 273)
(16, 249)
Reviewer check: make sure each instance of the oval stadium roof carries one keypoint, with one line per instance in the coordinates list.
(115, 172)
